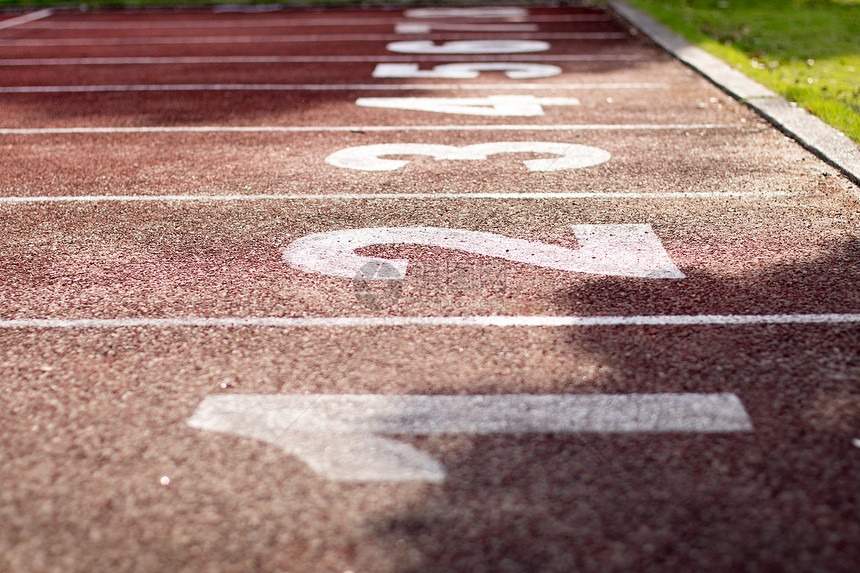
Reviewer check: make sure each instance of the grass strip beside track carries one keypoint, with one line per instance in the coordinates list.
(808, 51)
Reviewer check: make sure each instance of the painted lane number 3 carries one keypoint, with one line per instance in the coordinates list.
(567, 155)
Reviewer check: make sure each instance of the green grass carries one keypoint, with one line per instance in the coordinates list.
(806, 50)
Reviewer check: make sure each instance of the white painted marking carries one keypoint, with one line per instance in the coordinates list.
(428, 27)
(318, 87)
(469, 47)
(618, 250)
(360, 128)
(568, 155)
(290, 39)
(270, 22)
(497, 321)
(387, 196)
(25, 19)
(515, 71)
(492, 106)
(337, 434)
(476, 12)
(182, 60)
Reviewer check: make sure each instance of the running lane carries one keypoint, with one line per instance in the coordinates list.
(410, 290)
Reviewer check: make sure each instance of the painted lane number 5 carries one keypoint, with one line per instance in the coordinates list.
(514, 70)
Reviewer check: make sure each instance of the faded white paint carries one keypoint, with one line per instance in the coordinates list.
(25, 19)
(567, 155)
(619, 250)
(336, 435)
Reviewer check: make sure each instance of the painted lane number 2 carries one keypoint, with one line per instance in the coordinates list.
(630, 250)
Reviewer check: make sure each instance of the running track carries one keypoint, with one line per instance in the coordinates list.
(385, 290)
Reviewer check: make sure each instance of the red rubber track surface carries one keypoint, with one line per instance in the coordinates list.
(99, 467)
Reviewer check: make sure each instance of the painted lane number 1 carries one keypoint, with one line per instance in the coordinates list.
(347, 437)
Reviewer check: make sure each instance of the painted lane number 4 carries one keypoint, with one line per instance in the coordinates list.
(490, 106)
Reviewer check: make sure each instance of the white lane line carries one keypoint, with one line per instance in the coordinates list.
(319, 87)
(500, 321)
(25, 19)
(289, 38)
(387, 196)
(382, 58)
(337, 434)
(274, 22)
(363, 129)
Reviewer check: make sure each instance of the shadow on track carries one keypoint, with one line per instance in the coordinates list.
(780, 494)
